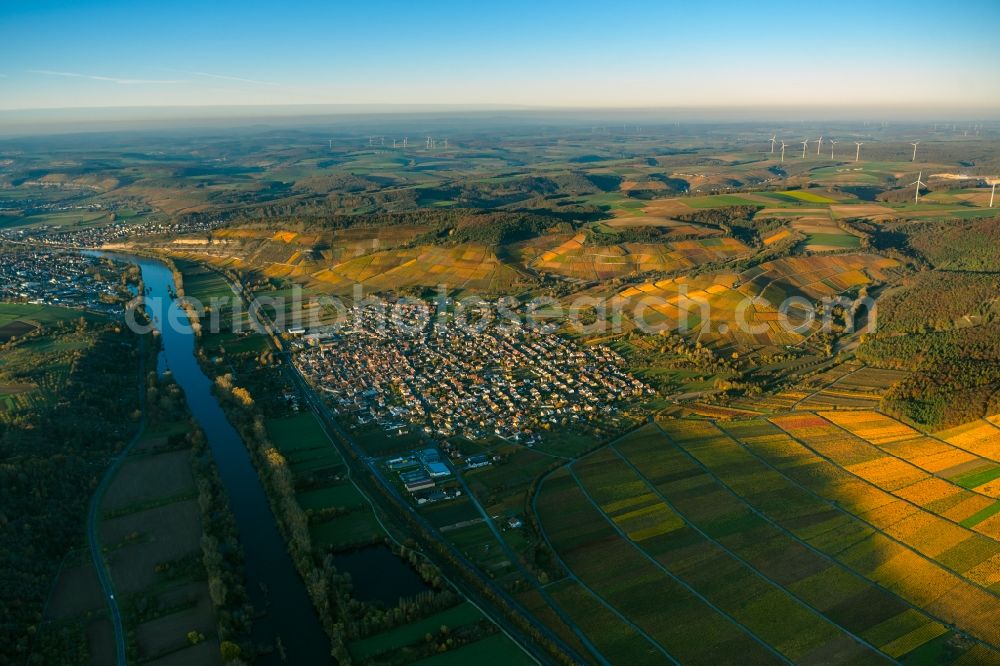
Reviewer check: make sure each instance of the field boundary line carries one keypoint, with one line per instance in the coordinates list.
(914, 466)
(824, 388)
(954, 446)
(880, 530)
(802, 602)
(659, 565)
(840, 510)
(990, 423)
(585, 586)
(784, 530)
(570, 624)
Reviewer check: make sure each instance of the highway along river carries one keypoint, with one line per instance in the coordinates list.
(272, 582)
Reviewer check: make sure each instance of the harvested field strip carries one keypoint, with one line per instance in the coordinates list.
(777, 237)
(897, 476)
(981, 438)
(689, 629)
(875, 554)
(783, 620)
(803, 195)
(958, 550)
(936, 455)
(735, 516)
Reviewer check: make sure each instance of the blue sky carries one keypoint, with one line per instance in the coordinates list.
(626, 54)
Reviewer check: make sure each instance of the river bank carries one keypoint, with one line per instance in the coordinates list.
(286, 620)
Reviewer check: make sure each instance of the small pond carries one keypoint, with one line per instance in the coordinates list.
(379, 575)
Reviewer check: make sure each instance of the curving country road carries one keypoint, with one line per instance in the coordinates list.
(103, 575)
(566, 619)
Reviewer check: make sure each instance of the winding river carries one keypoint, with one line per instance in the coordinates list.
(273, 583)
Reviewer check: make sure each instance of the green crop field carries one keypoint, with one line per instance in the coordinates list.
(312, 457)
(407, 634)
(34, 372)
(41, 314)
(845, 241)
(719, 200)
(202, 283)
(298, 432)
(235, 343)
(71, 218)
(497, 650)
(809, 197)
(338, 495)
(450, 513)
(346, 531)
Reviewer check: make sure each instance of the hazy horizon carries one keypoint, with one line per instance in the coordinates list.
(28, 122)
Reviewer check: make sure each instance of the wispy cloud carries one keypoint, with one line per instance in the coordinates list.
(111, 79)
(240, 79)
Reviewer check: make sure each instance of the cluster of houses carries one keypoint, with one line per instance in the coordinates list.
(115, 232)
(58, 278)
(34, 207)
(452, 380)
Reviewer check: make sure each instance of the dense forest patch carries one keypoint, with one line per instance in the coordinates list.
(972, 245)
(956, 378)
(54, 443)
(940, 300)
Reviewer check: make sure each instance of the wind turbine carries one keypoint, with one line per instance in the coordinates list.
(773, 137)
(918, 183)
(805, 144)
(832, 144)
(914, 144)
(819, 143)
(783, 144)
(993, 192)
(857, 156)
